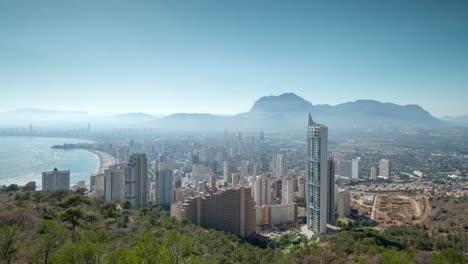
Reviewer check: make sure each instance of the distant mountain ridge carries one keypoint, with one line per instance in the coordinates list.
(137, 115)
(33, 110)
(288, 112)
(287, 102)
(282, 113)
(291, 110)
(456, 120)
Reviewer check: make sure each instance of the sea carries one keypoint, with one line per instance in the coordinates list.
(23, 159)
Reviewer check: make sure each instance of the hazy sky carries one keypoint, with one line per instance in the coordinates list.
(162, 57)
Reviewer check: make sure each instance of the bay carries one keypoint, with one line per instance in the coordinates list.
(23, 159)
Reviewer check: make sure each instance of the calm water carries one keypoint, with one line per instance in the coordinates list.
(23, 159)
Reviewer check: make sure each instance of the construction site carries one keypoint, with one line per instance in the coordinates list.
(398, 209)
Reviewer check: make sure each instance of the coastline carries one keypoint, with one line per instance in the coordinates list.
(105, 160)
(24, 158)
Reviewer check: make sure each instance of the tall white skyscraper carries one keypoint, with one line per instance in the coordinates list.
(56, 180)
(279, 165)
(114, 178)
(99, 185)
(331, 189)
(288, 191)
(244, 169)
(255, 169)
(226, 173)
(262, 190)
(164, 184)
(317, 177)
(385, 168)
(356, 168)
(136, 180)
(374, 172)
(152, 191)
(235, 178)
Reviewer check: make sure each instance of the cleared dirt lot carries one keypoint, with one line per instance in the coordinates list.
(398, 209)
(441, 215)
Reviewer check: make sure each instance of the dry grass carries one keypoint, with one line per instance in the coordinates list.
(449, 215)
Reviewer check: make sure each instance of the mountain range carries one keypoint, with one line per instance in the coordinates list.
(283, 113)
(288, 112)
(457, 120)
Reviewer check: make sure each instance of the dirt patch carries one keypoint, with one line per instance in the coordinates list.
(398, 209)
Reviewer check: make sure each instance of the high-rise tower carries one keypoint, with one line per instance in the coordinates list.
(136, 180)
(279, 165)
(164, 184)
(56, 180)
(374, 172)
(331, 190)
(356, 168)
(288, 191)
(317, 177)
(114, 178)
(385, 168)
(244, 169)
(226, 171)
(262, 190)
(231, 210)
(255, 169)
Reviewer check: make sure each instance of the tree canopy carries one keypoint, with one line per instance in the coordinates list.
(65, 227)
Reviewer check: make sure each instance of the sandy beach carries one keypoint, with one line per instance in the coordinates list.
(105, 160)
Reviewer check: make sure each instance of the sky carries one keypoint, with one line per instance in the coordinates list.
(207, 56)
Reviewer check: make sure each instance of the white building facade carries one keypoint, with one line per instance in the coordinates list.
(56, 180)
(317, 177)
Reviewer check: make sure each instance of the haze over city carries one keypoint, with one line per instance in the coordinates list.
(165, 57)
(260, 131)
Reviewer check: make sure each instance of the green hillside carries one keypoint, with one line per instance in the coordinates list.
(66, 227)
